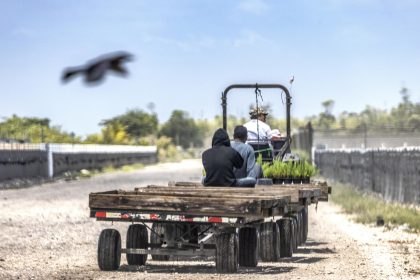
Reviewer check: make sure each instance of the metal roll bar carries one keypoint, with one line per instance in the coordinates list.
(260, 86)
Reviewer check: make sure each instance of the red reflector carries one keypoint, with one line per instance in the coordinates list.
(125, 216)
(100, 214)
(215, 220)
(154, 217)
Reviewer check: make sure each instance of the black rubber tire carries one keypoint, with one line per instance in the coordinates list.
(298, 225)
(305, 221)
(137, 238)
(248, 247)
(158, 230)
(286, 246)
(301, 228)
(227, 253)
(109, 249)
(294, 234)
(269, 242)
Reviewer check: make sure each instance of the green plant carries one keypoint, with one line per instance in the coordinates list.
(259, 160)
(309, 170)
(291, 169)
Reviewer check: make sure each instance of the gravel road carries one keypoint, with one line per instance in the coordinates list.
(45, 233)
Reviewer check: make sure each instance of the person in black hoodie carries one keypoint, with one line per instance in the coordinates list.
(219, 162)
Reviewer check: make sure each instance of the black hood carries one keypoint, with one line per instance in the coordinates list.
(220, 138)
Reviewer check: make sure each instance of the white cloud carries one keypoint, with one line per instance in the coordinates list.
(256, 7)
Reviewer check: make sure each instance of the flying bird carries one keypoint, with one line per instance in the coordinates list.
(96, 69)
(292, 79)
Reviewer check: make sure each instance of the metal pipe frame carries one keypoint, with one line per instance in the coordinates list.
(260, 86)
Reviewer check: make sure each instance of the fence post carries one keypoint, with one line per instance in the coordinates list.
(50, 162)
(310, 139)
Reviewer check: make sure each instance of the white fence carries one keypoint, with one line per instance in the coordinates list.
(48, 160)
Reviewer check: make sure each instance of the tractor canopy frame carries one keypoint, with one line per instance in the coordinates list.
(258, 86)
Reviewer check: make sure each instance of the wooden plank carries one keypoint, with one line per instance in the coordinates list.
(295, 192)
(262, 187)
(210, 206)
(199, 184)
(169, 191)
(185, 184)
(156, 204)
(267, 201)
(235, 190)
(265, 188)
(325, 190)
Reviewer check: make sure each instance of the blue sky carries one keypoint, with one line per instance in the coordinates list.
(187, 51)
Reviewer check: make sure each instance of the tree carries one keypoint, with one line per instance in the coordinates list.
(136, 123)
(326, 118)
(114, 133)
(182, 130)
(401, 115)
(33, 130)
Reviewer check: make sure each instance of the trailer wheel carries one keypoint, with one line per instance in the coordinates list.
(298, 229)
(227, 252)
(248, 247)
(109, 249)
(269, 242)
(305, 220)
(294, 234)
(158, 231)
(137, 238)
(286, 247)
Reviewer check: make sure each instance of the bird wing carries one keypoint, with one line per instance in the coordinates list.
(116, 66)
(70, 72)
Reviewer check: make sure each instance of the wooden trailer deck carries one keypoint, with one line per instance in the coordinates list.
(190, 198)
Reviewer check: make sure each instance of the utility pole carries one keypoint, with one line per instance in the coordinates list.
(42, 134)
(365, 135)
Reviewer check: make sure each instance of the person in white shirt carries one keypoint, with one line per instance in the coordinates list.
(258, 129)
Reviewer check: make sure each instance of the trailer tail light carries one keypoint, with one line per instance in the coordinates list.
(100, 215)
(215, 219)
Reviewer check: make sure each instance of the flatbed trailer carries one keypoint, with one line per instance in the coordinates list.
(238, 226)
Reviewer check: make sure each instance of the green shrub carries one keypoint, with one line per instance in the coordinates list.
(291, 169)
(368, 207)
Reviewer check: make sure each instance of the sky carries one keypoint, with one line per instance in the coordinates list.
(187, 52)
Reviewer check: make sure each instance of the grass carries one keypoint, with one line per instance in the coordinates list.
(124, 168)
(84, 173)
(368, 207)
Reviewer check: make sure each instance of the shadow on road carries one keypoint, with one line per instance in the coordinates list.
(303, 260)
(315, 250)
(201, 268)
(314, 243)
